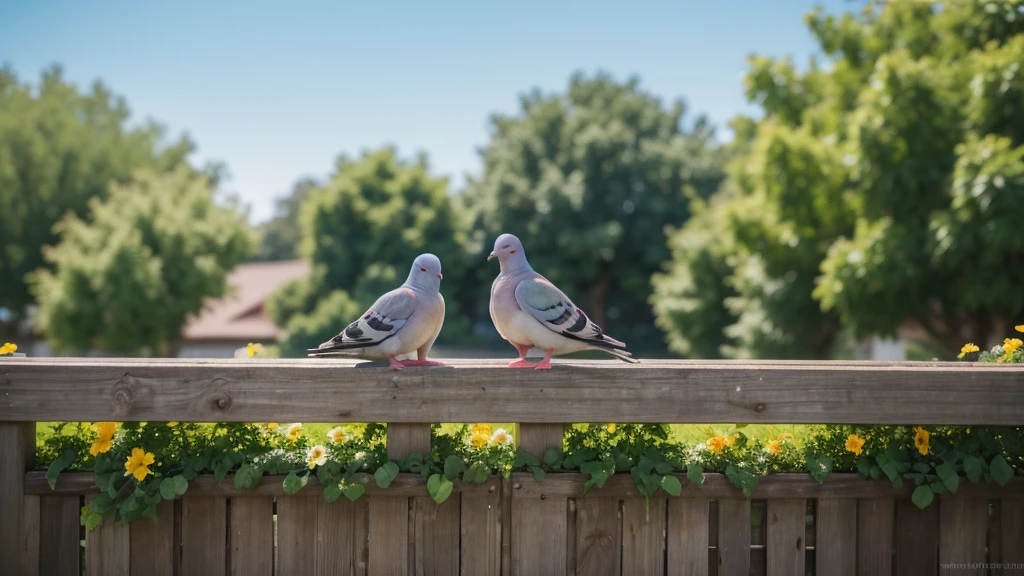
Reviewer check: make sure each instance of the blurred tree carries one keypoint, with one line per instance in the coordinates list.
(127, 279)
(882, 188)
(279, 236)
(589, 180)
(58, 149)
(361, 231)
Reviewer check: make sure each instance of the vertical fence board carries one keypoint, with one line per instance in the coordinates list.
(643, 536)
(1011, 530)
(405, 439)
(598, 537)
(389, 536)
(60, 546)
(19, 522)
(203, 535)
(252, 536)
(481, 534)
(437, 536)
(786, 527)
(539, 523)
(296, 534)
(917, 539)
(152, 547)
(874, 536)
(733, 536)
(107, 549)
(963, 523)
(337, 544)
(687, 536)
(835, 544)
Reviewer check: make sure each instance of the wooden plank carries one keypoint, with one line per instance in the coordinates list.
(251, 529)
(963, 522)
(835, 550)
(598, 537)
(506, 526)
(326, 390)
(204, 543)
(538, 532)
(405, 439)
(297, 534)
(643, 536)
(19, 522)
(734, 536)
(60, 547)
(786, 527)
(436, 536)
(480, 528)
(389, 536)
(687, 537)
(1011, 531)
(917, 539)
(337, 544)
(537, 438)
(107, 549)
(875, 518)
(152, 542)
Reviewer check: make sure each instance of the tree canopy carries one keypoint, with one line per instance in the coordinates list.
(127, 279)
(60, 147)
(279, 236)
(882, 188)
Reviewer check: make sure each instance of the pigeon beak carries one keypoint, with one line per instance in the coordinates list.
(440, 276)
(492, 255)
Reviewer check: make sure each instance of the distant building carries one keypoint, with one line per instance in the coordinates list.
(229, 323)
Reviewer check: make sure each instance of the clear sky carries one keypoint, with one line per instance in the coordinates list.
(277, 90)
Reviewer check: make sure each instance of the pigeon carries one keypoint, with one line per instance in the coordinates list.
(528, 310)
(405, 320)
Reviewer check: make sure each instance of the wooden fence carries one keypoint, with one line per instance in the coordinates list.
(790, 526)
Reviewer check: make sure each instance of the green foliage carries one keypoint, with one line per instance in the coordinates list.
(59, 148)
(279, 236)
(589, 179)
(127, 279)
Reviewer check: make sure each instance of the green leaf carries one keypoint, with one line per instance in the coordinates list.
(332, 492)
(671, 485)
(948, 476)
(695, 473)
(524, 458)
(167, 489)
(939, 488)
(922, 467)
(453, 466)
(1001, 471)
(58, 465)
(864, 466)
(386, 474)
(221, 470)
(150, 511)
(439, 488)
(478, 473)
(92, 520)
(875, 472)
(241, 477)
(972, 468)
(819, 468)
(922, 496)
(293, 482)
(538, 473)
(890, 471)
(552, 456)
(663, 467)
(100, 504)
(650, 483)
(353, 491)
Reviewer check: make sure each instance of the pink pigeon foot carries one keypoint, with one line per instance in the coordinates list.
(545, 364)
(521, 363)
(422, 363)
(394, 364)
(523, 349)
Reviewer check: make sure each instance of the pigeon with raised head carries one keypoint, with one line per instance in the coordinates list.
(528, 310)
(404, 321)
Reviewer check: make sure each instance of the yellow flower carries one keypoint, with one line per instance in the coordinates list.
(775, 447)
(293, 431)
(337, 435)
(730, 440)
(272, 425)
(855, 444)
(253, 349)
(787, 436)
(921, 440)
(479, 440)
(967, 349)
(1010, 345)
(99, 447)
(1019, 327)
(501, 437)
(611, 428)
(8, 348)
(138, 463)
(716, 444)
(484, 429)
(105, 429)
(317, 456)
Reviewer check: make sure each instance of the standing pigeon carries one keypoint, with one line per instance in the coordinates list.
(528, 310)
(405, 320)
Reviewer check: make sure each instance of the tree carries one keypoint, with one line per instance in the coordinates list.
(882, 188)
(59, 148)
(127, 279)
(589, 180)
(279, 236)
(361, 231)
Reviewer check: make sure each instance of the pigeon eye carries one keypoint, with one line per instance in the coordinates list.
(513, 251)
(422, 269)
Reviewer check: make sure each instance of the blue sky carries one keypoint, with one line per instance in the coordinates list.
(277, 90)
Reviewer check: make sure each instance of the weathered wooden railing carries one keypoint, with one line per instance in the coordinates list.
(516, 526)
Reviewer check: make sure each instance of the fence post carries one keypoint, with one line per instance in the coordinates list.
(19, 522)
(539, 526)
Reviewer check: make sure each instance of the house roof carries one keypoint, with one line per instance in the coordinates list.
(241, 314)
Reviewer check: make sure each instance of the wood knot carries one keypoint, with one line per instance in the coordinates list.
(123, 394)
(543, 496)
(759, 408)
(222, 402)
(517, 485)
(490, 490)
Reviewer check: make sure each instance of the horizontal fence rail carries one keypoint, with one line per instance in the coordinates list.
(789, 525)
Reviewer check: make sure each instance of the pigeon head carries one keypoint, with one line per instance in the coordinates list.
(425, 272)
(509, 252)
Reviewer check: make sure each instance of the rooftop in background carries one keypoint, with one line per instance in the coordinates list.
(241, 314)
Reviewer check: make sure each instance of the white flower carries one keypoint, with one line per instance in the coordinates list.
(336, 435)
(500, 436)
(316, 456)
